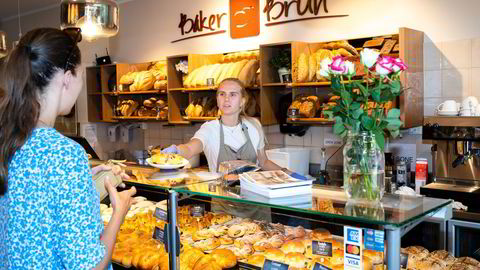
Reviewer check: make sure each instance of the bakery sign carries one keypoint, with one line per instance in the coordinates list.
(244, 17)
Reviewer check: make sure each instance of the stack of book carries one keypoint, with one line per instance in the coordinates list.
(274, 184)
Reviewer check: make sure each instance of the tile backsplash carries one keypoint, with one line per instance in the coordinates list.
(451, 71)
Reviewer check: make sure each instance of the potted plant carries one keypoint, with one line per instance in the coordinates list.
(282, 62)
(363, 116)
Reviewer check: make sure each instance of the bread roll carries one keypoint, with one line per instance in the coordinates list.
(469, 260)
(312, 67)
(442, 255)
(191, 257)
(307, 109)
(430, 264)
(224, 257)
(257, 260)
(293, 246)
(207, 262)
(296, 259)
(302, 68)
(375, 256)
(247, 75)
(274, 255)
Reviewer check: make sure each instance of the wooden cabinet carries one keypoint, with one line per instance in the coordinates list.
(102, 98)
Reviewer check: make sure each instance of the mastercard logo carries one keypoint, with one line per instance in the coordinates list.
(352, 249)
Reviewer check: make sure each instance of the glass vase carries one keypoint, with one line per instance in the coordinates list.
(363, 167)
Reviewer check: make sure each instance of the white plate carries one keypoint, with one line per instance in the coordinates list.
(167, 166)
(447, 113)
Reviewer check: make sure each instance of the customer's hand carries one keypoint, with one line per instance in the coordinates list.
(298, 176)
(121, 201)
(172, 149)
(116, 169)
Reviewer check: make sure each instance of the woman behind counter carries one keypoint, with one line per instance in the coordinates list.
(49, 208)
(234, 136)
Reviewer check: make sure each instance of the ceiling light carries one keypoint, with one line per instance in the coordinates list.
(96, 18)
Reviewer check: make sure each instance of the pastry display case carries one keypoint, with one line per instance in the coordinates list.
(218, 226)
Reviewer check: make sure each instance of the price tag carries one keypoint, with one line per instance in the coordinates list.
(159, 234)
(161, 214)
(320, 267)
(274, 265)
(197, 211)
(322, 248)
(403, 260)
(247, 266)
(374, 240)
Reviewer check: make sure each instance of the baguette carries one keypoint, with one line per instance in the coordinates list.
(224, 73)
(212, 71)
(218, 72)
(312, 67)
(189, 78)
(201, 78)
(198, 76)
(302, 68)
(238, 68)
(247, 75)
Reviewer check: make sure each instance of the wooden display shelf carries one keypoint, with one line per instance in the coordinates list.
(138, 118)
(310, 121)
(160, 91)
(276, 84)
(199, 119)
(95, 93)
(212, 88)
(179, 122)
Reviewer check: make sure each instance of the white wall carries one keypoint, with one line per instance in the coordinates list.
(452, 61)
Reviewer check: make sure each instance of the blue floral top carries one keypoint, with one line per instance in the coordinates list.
(50, 216)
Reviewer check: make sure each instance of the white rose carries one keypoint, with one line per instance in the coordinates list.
(325, 67)
(384, 66)
(350, 68)
(368, 57)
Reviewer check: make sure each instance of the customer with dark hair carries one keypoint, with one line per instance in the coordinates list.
(49, 208)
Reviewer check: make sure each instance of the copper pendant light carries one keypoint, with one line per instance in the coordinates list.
(96, 18)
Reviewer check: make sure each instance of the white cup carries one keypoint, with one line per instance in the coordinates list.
(477, 111)
(466, 112)
(469, 102)
(448, 106)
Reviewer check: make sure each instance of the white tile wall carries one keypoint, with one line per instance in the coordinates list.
(433, 82)
(432, 56)
(456, 82)
(475, 82)
(457, 54)
(475, 52)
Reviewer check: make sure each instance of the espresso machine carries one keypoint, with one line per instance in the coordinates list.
(456, 175)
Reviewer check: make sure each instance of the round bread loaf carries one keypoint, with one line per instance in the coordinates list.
(321, 234)
(469, 260)
(442, 255)
(426, 263)
(224, 257)
(375, 256)
(296, 259)
(207, 262)
(257, 260)
(293, 246)
(274, 254)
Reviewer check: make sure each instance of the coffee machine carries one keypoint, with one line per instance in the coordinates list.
(456, 175)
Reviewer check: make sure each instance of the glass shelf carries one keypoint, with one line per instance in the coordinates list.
(393, 210)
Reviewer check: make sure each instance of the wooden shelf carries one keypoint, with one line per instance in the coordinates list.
(209, 88)
(310, 121)
(179, 122)
(161, 91)
(95, 94)
(276, 84)
(199, 119)
(138, 118)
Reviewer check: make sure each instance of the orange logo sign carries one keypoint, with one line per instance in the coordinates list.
(244, 18)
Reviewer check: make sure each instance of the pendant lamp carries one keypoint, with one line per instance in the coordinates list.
(3, 44)
(95, 18)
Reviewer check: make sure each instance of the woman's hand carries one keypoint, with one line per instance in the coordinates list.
(172, 149)
(121, 201)
(116, 169)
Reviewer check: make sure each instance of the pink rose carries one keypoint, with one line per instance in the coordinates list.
(398, 65)
(385, 65)
(338, 66)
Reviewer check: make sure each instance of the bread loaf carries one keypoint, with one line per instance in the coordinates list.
(224, 257)
(201, 78)
(238, 68)
(296, 260)
(207, 263)
(321, 234)
(188, 81)
(128, 78)
(225, 71)
(274, 255)
(247, 75)
(144, 80)
(307, 109)
(312, 67)
(257, 260)
(213, 72)
(302, 68)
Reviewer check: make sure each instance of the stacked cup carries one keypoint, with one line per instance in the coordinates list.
(470, 107)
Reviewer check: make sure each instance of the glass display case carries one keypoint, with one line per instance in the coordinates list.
(324, 207)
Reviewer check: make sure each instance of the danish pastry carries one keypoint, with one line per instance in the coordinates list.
(236, 231)
(224, 257)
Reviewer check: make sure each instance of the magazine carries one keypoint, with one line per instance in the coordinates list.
(273, 179)
(237, 167)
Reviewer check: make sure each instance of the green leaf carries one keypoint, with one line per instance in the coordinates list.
(367, 122)
(393, 113)
(376, 94)
(380, 139)
(338, 120)
(336, 83)
(355, 106)
(395, 86)
(394, 133)
(346, 97)
(338, 128)
(382, 125)
(336, 109)
(361, 86)
(357, 113)
(328, 114)
(393, 124)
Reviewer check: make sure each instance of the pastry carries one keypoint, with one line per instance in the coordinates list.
(296, 259)
(236, 231)
(250, 239)
(160, 84)
(262, 245)
(207, 262)
(307, 109)
(367, 263)
(442, 255)
(241, 252)
(207, 244)
(302, 68)
(225, 240)
(257, 260)
(415, 253)
(274, 255)
(190, 257)
(293, 246)
(469, 261)
(321, 234)
(375, 256)
(202, 235)
(430, 264)
(462, 266)
(294, 232)
(224, 257)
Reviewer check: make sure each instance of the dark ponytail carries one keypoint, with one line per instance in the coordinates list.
(24, 74)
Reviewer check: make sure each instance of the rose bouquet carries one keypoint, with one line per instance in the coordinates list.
(364, 115)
